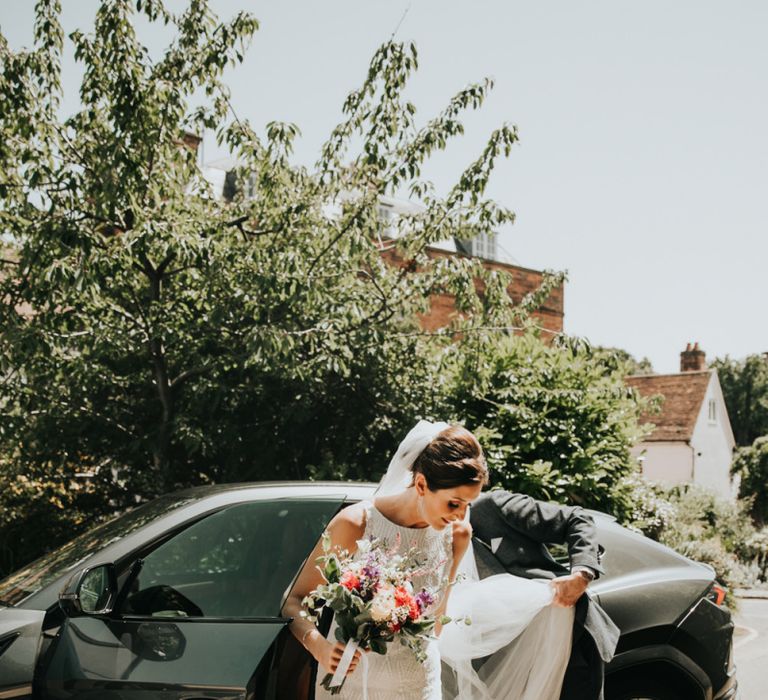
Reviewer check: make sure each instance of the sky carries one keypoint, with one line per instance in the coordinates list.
(642, 166)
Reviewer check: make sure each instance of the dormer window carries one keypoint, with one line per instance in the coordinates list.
(386, 220)
(712, 411)
(481, 246)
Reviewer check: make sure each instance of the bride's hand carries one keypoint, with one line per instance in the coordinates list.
(329, 655)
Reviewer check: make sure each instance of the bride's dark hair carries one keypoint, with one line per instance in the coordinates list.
(453, 458)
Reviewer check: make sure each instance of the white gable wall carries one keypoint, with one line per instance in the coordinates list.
(669, 463)
(713, 443)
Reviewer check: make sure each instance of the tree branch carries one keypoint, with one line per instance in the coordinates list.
(188, 374)
(335, 240)
(238, 223)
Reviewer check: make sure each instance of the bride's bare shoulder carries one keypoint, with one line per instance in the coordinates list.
(348, 525)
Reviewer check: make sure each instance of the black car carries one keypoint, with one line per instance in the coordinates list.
(180, 598)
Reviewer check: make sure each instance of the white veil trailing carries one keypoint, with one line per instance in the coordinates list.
(523, 641)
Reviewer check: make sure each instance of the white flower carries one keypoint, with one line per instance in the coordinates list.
(383, 605)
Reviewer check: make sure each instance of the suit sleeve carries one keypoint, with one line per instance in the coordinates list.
(550, 523)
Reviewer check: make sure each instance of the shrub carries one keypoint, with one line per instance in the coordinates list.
(652, 512)
(756, 547)
(751, 466)
(556, 420)
(703, 526)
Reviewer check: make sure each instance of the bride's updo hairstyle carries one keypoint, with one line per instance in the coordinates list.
(453, 458)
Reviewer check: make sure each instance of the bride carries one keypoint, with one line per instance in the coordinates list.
(522, 640)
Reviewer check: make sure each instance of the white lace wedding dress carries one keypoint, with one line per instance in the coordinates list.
(397, 675)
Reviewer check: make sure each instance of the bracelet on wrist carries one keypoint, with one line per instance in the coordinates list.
(305, 635)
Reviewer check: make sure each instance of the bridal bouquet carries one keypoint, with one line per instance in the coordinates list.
(374, 601)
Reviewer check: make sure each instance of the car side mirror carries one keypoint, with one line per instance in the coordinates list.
(90, 591)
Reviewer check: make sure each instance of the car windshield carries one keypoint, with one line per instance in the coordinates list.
(34, 577)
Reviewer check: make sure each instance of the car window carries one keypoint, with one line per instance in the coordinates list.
(33, 578)
(237, 562)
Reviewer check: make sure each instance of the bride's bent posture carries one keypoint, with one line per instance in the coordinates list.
(427, 512)
(517, 645)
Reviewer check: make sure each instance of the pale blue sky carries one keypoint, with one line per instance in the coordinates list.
(643, 161)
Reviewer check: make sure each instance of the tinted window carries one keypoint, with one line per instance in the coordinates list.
(40, 573)
(237, 562)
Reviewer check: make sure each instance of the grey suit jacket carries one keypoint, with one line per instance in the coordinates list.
(511, 532)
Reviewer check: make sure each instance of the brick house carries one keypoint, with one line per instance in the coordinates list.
(692, 440)
(549, 316)
(524, 281)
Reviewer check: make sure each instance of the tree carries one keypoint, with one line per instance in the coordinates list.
(751, 465)
(556, 420)
(630, 364)
(155, 335)
(745, 389)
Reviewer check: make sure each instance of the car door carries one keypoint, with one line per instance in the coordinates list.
(19, 643)
(198, 614)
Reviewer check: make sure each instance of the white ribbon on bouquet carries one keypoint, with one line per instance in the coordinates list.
(346, 660)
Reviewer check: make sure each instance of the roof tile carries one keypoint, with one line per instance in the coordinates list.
(683, 395)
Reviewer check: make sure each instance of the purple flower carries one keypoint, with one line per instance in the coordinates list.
(424, 599)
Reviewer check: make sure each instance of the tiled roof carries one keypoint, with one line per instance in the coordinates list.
(683, 395)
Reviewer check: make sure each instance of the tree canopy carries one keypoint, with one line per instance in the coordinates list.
(156, 335)
(751, 466)
(745, 390)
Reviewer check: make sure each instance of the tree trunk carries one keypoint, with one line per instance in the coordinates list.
(161, 449)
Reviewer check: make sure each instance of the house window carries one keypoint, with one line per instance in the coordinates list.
(386, 221)
(712, 411)
(484, 246)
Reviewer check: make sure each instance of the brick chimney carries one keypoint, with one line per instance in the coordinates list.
(693, 359)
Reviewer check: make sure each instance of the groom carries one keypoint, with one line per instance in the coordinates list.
(510, 533)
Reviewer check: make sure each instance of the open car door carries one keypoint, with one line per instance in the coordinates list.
(20, 632)
(197, 617)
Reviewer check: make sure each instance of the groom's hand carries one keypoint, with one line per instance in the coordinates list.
(568, 589)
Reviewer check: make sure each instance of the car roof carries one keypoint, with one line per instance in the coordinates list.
(278, 489)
